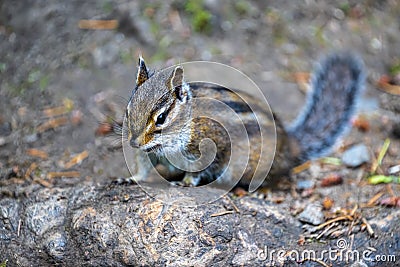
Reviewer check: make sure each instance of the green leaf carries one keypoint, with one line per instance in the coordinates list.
(331, 160)
(3, 67)
(43, 82)
(381, 155)
(34, 76)
(383, 151)
(379, 179)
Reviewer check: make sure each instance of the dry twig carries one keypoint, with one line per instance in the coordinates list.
(70, 174)
(98, 24)
(77, 159)
(37, 153)
(222, 213)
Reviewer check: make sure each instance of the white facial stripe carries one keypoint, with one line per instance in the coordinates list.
(186, 89)
(128, 114)
(174, 112)
(128, 108)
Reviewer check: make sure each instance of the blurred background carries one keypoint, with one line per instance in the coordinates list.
(65, 66)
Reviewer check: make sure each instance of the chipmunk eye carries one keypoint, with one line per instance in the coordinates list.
(161, 118)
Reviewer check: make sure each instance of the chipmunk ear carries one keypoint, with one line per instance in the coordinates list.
(176, 78)
(177, 84)
(142, 74)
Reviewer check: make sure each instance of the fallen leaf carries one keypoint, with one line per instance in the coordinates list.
(98, 24)
(331, 180)
(52, 124)
(327, 203)
(361, 123)
(70, 174)
(77, 159)
(307, 192)
(301, 241)
(31, 168)
(43, 182)
(302, 167)
(240, 192)
(67, 107)
(379, 179)
(381, 155)
(104, 128)
(331, 160)
(303, 80)
(390, 201)
(384, 84)
(375, 198)
(54, 112)
(76, 117)
(279, 199)
(37, 153)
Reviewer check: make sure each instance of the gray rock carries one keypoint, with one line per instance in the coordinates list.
(312, 214)
(390, 102)
(3, 141)
(356, 155)
(105, 55)
(5, 129)
(305, 184)
(359, 264)
(31, 138)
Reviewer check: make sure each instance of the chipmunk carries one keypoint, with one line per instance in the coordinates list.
(161, 120)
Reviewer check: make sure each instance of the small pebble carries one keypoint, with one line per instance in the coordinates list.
(376, 44)
(394, 169)
(106, 54)
(2, 141)
(289, 48)
(312, 214)
(226, 25)
(356, 155)
(339, 14)
(359, 264)
(305, 184)
(56, 245)
(5, 129)
(31, 138)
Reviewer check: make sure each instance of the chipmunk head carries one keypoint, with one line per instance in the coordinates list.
(158, 111)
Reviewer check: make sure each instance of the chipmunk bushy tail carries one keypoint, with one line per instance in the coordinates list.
(336, 84)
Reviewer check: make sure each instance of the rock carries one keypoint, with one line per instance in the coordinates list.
(356, 155)
(312, 214)
(5, 129)
(305, 184)
(359, 264)
(31, 138)
(105, 55)
(390, 102)
(102, 227)
(339, 14)
(3, 141)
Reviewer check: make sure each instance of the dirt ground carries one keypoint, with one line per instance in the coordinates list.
(59, 81)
